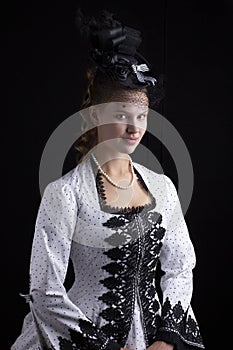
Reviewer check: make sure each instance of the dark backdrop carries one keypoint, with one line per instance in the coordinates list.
(187, 41)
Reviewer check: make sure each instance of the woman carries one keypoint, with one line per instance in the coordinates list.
(116, 220)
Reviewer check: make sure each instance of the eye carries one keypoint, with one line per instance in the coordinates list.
(142, 116)
(121, 116)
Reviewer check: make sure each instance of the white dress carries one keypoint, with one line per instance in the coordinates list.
(114, 301)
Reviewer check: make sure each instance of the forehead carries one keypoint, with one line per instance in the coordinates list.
(127, 107)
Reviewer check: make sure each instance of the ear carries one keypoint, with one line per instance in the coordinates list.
(94, 115)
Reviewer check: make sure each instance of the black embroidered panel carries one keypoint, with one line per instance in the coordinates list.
(119, 298)
(134, 266)
(90, 338)
(151, 243)
(175, 319)
(129, 258)
(123, 229)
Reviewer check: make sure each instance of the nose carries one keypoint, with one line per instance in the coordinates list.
(133, 127)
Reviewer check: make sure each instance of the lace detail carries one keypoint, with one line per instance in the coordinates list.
(115, 209)
(151, 245)
(120, 297)
(133, 268)
(90, 338)
(177, 321)
(134, 261)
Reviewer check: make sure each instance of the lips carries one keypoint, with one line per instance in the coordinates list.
(131, 140)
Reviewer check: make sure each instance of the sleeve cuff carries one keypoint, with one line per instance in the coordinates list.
(113, 346)
(175, 339)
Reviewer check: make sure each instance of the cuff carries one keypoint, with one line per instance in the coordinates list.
(175, 339)
(113, 346)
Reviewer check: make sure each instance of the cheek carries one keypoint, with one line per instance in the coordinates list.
(143, 130)
(110, 131)
(143, 127)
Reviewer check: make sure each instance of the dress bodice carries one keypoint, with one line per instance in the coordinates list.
(116, 209)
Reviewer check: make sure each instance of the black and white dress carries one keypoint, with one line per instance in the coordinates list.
(114, 301)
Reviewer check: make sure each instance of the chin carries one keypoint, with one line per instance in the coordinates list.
(131, 151)
(127, 150)
(121, 148)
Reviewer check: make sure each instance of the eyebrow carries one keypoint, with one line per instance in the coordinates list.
(119, 111)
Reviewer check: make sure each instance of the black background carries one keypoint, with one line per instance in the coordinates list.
(187, 41)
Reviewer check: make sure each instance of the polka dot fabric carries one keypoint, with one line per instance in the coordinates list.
(113, 301)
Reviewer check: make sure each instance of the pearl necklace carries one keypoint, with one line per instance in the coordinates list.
(110, 180)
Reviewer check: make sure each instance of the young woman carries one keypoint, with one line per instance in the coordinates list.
(117, 220)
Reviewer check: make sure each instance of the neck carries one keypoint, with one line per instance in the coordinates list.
(114, 164)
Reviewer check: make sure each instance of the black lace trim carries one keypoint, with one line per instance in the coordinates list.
(151, 245)
(115, 209)
(176, 324)
(120, 296)
(127, 257)
(133, 256)
(120, 210)
(174, 338)
(123, 228)
(90, 338)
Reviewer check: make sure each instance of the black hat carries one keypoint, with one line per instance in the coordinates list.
(114, 50)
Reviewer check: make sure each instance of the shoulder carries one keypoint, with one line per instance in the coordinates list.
(155, 177)
(66, 186)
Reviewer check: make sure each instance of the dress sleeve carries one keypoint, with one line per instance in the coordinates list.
(178, 324)
(60, 323)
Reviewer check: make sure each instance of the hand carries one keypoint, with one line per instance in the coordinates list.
(160, 345)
